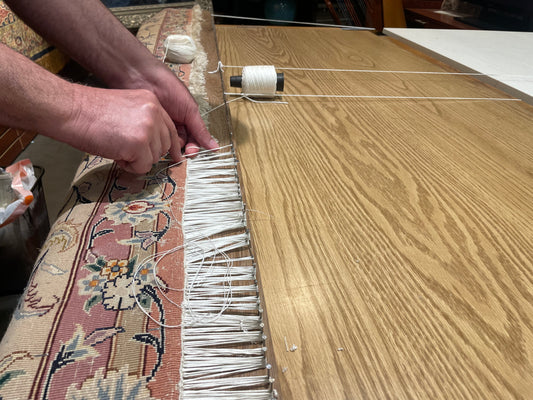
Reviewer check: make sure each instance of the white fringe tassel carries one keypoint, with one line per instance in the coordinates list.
(222, 328)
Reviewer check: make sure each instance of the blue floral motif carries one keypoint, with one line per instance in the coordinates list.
(93, 283)
(145, 273)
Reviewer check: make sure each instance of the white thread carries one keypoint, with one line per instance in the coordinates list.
(382, 71)
(262, 101)
(220, 67)
(221, 105)
(348, 27)
(222, 328)
(340, 96)
(221, 303)
(199, 245)
(259, 81)
(180, 49)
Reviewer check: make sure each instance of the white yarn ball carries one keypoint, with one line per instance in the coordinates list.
(180, 49)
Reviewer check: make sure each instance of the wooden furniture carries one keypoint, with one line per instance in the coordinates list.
(361, 12)
(12, 142)
(432, 19)
(393, 237)
(371, 13)
(427, 14)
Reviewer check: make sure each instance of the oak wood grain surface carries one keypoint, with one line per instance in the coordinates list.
(394, 237)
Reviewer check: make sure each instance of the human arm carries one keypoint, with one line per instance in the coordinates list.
(129, 126)
(90, 34)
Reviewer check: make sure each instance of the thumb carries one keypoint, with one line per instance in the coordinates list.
(197, 130)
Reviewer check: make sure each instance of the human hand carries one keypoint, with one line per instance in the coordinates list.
(128, 126)
(180, 106)
(134, 127)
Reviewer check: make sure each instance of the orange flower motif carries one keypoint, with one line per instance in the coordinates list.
(94, 283)
(138, 207)
(115, 268)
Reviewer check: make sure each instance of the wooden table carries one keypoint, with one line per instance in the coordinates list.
(394, 237)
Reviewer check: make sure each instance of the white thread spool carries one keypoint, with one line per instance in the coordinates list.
(259, 81)
(179, 49)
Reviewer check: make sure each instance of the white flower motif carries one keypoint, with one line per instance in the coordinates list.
(135, 208)
(117, 294)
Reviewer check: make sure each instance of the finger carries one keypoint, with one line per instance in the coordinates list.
(137, 167)
(191, 148)
(160, 140)
(122, 164)
(170, 131)
(140, 166)
(182, 134)
(155, 148)
(175, 146)
(197, 130)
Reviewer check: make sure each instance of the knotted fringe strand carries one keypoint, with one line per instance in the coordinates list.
(222, 329)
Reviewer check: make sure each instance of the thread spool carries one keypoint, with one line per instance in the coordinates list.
(259, 81)
(179, 49)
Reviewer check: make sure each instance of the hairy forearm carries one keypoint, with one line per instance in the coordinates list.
(129, 126)
(89, 33)
(31, 97)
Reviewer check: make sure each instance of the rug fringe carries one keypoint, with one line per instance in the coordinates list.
(223, 340)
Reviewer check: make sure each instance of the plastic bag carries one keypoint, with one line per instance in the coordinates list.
(22, 179)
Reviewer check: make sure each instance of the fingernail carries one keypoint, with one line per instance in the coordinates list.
(213, 144)
(192, 150)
